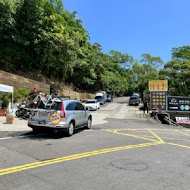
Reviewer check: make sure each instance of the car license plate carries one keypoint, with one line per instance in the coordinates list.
(43, 115)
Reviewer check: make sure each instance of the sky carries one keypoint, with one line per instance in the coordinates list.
(135, 26)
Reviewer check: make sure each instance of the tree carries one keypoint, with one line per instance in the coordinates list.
(40, 35)
(152, 61)
(181, 53)
(143, 74)
(124, 60)
(177, 73)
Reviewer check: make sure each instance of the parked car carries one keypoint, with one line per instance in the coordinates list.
(63, 115)
(100, 99)
(84, 101)
(92, 104)
(134, 100)
(136, 94)
(103, 94)
(109, 98)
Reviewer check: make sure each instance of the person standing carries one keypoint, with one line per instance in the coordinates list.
(145, 106)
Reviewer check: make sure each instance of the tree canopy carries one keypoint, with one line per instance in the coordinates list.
(42, 35)
(177, 72)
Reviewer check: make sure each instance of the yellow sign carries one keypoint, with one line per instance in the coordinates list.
(158, 85)
(55, 118)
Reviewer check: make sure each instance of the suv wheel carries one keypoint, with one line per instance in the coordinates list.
(71, 129)
(89, 123)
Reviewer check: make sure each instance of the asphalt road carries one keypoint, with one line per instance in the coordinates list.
(123, 150)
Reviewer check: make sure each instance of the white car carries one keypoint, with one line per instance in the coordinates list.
(92, 104)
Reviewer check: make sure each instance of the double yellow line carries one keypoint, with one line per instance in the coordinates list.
(72, 157)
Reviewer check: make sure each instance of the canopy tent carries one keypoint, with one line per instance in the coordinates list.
(6, 88)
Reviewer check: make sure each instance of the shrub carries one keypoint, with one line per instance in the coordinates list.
(5, 103)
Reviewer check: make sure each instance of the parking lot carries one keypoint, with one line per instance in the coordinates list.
(124, 149)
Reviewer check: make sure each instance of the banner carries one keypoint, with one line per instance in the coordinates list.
(158, 85)
(178, 103)
(158, 100)
(183, 120)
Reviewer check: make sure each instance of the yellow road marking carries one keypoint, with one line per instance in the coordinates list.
(179, 145)
(156, 136)
(93, 153)
(182, 132)
(145, 129)
(151, 131)
(169, 138)
(130, 135)
(160, 139)
(72, 157)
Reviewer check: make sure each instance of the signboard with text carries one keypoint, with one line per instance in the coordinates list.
(158, 85)
(178, 103)
(183, 120)
(158, 100)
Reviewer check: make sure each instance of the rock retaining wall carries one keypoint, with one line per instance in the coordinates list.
(20, 82)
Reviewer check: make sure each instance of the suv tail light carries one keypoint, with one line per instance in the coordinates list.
(62, 111)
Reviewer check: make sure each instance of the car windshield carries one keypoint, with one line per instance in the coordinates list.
(91, 102)
(132, 98)
(98, 97)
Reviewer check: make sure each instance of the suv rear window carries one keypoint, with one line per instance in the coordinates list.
(56, 106)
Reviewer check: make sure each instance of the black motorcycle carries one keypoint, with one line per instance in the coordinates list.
(23, 111)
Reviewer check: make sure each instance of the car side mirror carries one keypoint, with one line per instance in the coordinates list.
(86, 108)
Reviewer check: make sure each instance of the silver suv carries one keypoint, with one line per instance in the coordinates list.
(63, 115)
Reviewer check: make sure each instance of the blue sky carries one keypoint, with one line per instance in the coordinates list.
(135, 26)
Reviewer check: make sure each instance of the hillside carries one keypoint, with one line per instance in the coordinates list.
(41, 40)
(33, 80)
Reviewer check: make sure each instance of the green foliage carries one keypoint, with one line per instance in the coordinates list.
(42, 35)
(21, 93)
(5, 103)
(151, 61)
(181, 53)
(177, 72)
(144, 73)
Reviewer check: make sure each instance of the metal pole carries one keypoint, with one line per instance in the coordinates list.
(12, 101)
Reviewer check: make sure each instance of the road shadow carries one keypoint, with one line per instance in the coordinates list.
(141, 108)
(122, 102)
(45, 135)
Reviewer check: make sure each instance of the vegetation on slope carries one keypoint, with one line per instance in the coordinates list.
(41, 35)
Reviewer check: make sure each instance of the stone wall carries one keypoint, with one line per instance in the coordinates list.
(77, 95)
(20, 82)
